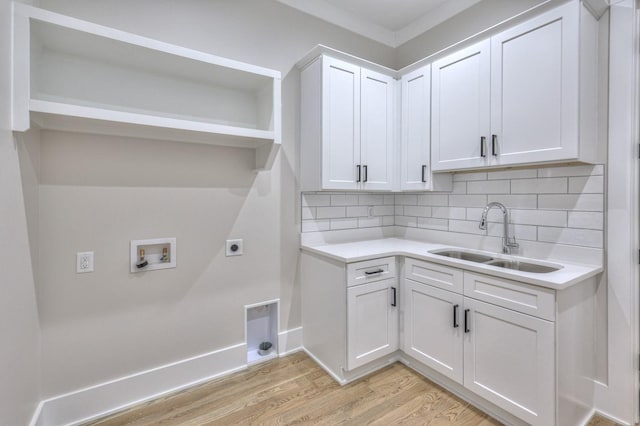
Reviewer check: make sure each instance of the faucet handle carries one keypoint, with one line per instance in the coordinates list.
(511, 242)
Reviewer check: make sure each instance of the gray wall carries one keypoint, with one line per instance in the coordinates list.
(19, 330)
(97, 193)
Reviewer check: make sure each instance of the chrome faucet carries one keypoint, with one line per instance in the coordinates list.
(507, 242)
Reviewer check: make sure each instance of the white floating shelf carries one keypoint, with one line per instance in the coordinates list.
(78, 76)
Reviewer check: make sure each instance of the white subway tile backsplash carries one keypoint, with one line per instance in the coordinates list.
(467, 200)
(406, 199)
(459, 177)
(561, 205)
(539, 217)
(357, 211)
(315, 225)
(388, 220)
(586, 220)
(489, 187)
(520, 232)
(370, 199)
(449, 212)
(383, 210)
(584, 202)
(459, 188)
(513, 174)
(314, 200)
(407, 221)
(583, 170)
(586, 185)
(465, 226)
(518, 201)
(422, 211)
(571, 236)
(433, 200)
(539, 186)
(344, 200)
(369, 222)
(344, 223)
(308, 213)
(330, 212)
(433, 223)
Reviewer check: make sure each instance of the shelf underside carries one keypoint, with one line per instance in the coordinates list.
(73, 118)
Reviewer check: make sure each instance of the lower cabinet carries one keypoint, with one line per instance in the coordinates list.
(500, 353)
(372, 321)
(525, 350)
(432, 332)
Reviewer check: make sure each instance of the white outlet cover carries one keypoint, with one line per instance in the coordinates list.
(84, 262)
(238, 248)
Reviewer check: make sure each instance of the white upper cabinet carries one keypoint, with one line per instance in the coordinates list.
(526, 96)
(74, 75)
(340, 125)
(415, 152)
(347, 121)
(377, 130)
(460, 108)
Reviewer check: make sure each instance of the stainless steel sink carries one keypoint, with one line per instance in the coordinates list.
(522, 266)
(516, 265)
(464, 255)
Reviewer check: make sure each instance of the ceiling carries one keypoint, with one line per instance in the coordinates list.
(386, 21)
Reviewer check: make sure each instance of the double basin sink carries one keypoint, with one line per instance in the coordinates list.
(517, 265)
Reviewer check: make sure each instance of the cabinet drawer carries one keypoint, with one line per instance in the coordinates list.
(525, 298)
(371, 270)
(433, 274)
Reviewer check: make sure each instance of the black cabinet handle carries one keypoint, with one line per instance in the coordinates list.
(466, 320)
(366, 174)
(424, 172)
(358, 166)
(377, 271)
(494, 145)
(455, 316)
(394, 296)
(483, 144)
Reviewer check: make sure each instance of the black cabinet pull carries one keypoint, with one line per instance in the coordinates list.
(358, 166)
(424, 172)
(366, 174)
(377, 271)
(394, 296)
(483, 144)
(455, 316)
(494, 145)
(466, 320)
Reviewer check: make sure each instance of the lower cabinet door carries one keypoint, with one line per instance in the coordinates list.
(372, 321)
(433, 327)
(509, 360)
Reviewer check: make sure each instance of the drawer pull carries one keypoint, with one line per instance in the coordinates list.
(455, 316)
(466, 321)
(394, 296)
(376, 272)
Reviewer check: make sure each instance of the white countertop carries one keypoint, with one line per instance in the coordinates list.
(569, 274)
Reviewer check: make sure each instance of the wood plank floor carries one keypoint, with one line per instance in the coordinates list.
(295, 390)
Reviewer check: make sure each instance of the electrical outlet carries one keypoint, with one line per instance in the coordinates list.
(234, 248)
(84, 262)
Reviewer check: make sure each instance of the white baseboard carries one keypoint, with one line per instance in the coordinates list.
(290, 341)
(109, 397)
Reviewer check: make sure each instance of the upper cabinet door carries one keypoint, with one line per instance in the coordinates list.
(416, 129)
(377, 130)
(534, 89)
(340, 124)
(460, 108)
